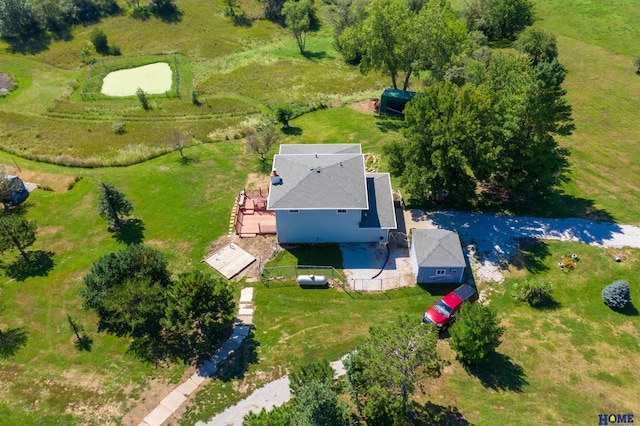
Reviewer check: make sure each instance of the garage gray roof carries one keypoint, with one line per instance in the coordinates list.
(381, 212)
(437, 248)
(318, 180)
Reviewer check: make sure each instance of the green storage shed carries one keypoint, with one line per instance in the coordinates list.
(394, 100)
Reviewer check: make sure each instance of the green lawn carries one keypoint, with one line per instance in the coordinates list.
(561, 365)
(182, 207)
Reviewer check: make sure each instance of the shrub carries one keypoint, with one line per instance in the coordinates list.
(118, 127)
(114, 50)
(617, 295)
(534, 292)
(143, 98)
(100, 41)
(475, 334)
(284, 113)
(141, 12)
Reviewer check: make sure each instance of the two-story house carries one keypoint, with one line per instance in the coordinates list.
(322, 193)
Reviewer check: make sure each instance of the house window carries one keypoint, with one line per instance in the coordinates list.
(453, 271)
(440, 272)
(294, 211)
(342, 211)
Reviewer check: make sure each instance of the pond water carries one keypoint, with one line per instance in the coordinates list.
(153, 79)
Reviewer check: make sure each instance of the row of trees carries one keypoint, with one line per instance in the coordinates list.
(382, 373)
(494, 123)
(132, 293)
(27, 20)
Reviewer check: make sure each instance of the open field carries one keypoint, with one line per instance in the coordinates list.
(563, 365)
(181, 209)
(236, 72)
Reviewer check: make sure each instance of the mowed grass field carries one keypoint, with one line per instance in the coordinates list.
(181, 208)
(557, 366)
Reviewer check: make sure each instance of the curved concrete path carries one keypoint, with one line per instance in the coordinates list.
(271, 395)
(179, 395)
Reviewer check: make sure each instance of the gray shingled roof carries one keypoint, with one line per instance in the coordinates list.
(319, 181)
(438, 248)
(333, 148)
(381, 212)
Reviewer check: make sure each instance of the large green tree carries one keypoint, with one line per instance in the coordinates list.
(18, 20)
(112, 205)
(314, 372)
(538, 44)
(475, 334)
(199, 308)
(299, 16)
(448, 142)
(383, 371)
(533, 110)
(17, 233)
(401, 38)
(500, 128)
(498, 19)
(318, 404)
(123, 281)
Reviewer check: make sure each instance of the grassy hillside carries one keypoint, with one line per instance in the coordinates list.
(181, 209)
(239, 73)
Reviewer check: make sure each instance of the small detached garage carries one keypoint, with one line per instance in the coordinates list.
(436, 256)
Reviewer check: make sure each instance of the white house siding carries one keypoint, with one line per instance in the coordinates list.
(320, 226)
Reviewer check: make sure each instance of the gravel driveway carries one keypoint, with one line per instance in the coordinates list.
(491, 240)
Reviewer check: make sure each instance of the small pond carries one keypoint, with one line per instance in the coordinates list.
(153, 79)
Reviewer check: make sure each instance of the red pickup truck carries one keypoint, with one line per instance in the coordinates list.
(442, 313)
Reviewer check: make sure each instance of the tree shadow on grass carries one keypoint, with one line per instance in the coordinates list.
(500, 373)
(316, 56)
(31, 46)
(84, 343)
(170, 14)
(238, 362)
(531, 255)
(629, 310)
(131, 232)
(292, 131)
(241, 20)
(186, 161)
(38, 264)
(433, 414)
(11, 341)
(389, 123)
(548, 305)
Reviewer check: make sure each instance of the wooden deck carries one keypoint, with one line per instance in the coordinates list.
(253, 218)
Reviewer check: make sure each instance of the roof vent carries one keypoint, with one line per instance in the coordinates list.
(316, 154)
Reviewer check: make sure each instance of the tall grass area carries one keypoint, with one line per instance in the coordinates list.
(235, 72)
(182, 205)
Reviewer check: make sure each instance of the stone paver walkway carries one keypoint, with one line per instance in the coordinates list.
(179, 395)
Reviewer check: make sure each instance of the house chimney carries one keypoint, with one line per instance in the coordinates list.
(275, 177)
